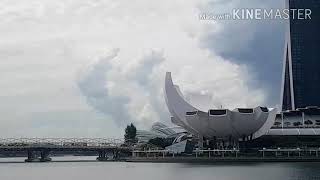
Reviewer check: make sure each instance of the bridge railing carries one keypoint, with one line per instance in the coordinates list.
(82, 142)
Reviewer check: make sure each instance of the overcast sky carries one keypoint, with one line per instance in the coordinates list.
(86, 68)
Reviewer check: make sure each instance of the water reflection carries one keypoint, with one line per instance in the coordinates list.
(139, 171)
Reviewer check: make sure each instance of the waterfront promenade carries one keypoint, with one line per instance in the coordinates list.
(221, 160)
(228, 156)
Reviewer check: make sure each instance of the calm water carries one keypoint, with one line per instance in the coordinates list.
(149, 171)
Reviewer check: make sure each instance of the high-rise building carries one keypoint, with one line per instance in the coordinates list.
(301, 67)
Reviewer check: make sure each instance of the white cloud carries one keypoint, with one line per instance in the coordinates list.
(50, 48)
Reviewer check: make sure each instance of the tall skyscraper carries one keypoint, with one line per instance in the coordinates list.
(301, 67)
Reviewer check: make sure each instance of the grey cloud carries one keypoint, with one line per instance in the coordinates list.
(144, 75)
(146, 66)
(93, 87)
(257, 43)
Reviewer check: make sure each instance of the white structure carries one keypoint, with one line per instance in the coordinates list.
(178, 148)
(158, 130)
(246, 123)
(163, 129)
(145, 136)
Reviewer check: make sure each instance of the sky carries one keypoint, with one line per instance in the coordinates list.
(87, 68)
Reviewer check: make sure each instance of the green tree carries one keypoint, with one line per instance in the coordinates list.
(130, 134)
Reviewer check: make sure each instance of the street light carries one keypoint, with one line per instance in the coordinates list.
(299, 151)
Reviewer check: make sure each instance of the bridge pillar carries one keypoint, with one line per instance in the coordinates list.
(102, 156)
(33, 156)
(44, 156)
(116, 155)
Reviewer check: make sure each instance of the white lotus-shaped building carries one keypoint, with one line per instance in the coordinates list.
(245, 123)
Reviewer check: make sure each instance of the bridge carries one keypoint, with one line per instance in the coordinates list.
(39, 149)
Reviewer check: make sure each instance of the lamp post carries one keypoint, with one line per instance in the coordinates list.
(277, 152)
(236, 152)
